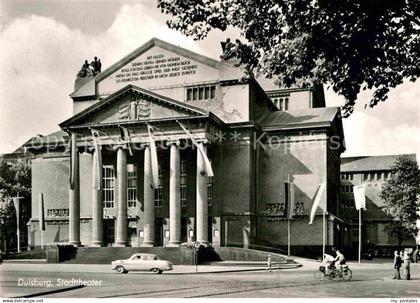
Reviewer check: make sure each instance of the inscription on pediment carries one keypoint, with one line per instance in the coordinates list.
(135, 109)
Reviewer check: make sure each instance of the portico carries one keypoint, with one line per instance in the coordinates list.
(127, 143)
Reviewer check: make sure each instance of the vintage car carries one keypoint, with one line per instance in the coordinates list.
(141, 262)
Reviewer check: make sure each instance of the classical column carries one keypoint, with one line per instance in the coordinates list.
(97, 207)
(201, 196)
(74, 195)
(174, 197)
(149, 200)
(121, 234)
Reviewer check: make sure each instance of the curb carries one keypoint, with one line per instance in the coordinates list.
(234, 270)
(43, 293)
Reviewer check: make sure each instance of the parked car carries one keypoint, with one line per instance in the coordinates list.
(141, 262)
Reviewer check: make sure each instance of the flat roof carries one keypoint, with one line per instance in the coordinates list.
(370, 163)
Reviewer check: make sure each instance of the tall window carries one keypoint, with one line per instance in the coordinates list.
(108, 186)
(131, 185)
(201, 92)
(159, 190)
(183, 183)
(282, 103)
(210, 191)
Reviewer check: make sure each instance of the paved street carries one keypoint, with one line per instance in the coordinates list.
(369, 280)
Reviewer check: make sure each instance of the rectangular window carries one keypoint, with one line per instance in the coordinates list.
(371, 176)
(108, 186)
(351, 176)
(210, 191)
(202, 92)
(212, 92)
(386, 175)
(183, 183)
(286, 103)
(159, 190)
(195, 93)
(365, 176)
(281, 104)
(189, 94)
(131, 185)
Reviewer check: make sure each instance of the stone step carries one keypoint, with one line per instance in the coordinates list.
(27, 261)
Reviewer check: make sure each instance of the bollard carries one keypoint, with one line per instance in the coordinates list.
(406, 266)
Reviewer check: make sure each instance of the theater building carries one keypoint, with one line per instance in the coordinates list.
(256, 136)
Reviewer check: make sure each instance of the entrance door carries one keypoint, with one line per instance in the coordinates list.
(159, 231)
(109, 232)
(210, 229)
(184, 229)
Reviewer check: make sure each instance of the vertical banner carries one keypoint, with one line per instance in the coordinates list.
(97, 161)
(317, 202)
(209, 169)
(153, 157)
(127, 139)
(359, 192)
(16, 203)
(290, 199)
(73, 155)
(41, 212)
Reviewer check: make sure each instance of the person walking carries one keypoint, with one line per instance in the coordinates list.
(268, 263)
(397, 265)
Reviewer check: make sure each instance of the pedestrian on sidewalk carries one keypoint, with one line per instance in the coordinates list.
(268, 263)
(407, 260)
(416, 255)
(397, 265)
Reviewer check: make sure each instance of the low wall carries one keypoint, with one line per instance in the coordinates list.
(176, 255)
(244, 254)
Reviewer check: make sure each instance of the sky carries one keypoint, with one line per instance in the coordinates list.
(44, 43)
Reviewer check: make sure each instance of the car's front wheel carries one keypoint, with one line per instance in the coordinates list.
(120, 269)
(156, 270)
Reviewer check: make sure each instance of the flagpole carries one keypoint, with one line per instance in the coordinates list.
(323, 234)
(360, 233)
(288, 215)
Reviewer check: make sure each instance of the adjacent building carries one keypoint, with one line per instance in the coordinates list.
(373, 171)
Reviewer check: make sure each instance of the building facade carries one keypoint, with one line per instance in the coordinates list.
(373, 172)
(256, 136)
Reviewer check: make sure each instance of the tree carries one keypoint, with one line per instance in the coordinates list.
(15, 179)
(348, 44)
(401, 198)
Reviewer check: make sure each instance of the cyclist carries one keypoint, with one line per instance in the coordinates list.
(340, 259)
(329, 263)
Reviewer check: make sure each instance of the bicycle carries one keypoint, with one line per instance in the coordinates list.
(342, 274)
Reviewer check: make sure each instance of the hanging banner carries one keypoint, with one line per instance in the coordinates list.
(359, 192)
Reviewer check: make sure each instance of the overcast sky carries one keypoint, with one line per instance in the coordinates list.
(44, 43)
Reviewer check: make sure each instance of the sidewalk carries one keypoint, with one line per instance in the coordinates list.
(106, 269)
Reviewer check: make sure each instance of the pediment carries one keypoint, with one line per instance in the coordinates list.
(133, 104)
(154, 64)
